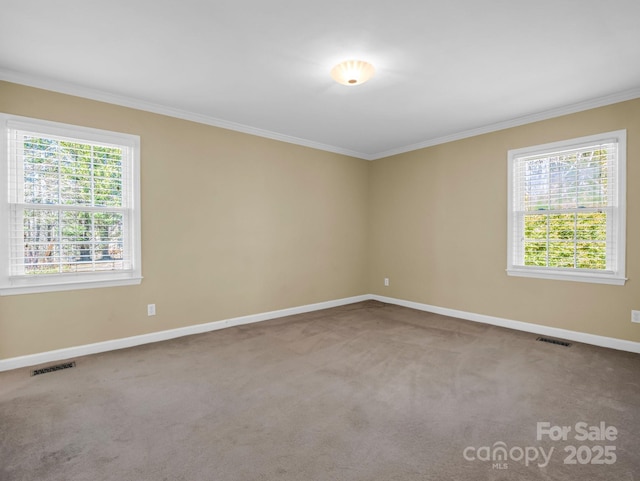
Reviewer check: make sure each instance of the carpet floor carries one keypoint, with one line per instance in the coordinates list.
(368, 391)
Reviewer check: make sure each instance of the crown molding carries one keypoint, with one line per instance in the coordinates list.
(124, 101)
(526, 119)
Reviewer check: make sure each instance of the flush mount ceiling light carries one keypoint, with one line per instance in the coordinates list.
(352, 72)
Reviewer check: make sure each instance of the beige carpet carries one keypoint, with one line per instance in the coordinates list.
(362, 392)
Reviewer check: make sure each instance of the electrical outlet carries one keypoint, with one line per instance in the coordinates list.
(635, 316)
(386, 281)
(151, 309)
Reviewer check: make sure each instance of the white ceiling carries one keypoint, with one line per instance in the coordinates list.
(444, 69)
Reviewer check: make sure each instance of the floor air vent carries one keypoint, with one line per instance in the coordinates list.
(554, 341)
(57, 367)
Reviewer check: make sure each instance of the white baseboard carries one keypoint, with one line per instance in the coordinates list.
(610, 342)
(60, 354)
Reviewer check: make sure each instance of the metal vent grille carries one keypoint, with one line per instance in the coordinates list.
(554, 341)
(57, 367)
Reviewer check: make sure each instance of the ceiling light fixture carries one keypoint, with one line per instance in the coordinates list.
(352, 72)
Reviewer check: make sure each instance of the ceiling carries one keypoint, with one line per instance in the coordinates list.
(444, 70)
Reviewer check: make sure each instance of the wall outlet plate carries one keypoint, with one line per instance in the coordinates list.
(635, 316)
(151, 309)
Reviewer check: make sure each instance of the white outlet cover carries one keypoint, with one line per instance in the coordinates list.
(635, 316)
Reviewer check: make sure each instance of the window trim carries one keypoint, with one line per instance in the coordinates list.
(10, 285)
(616, 276)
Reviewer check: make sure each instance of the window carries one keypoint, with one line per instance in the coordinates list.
(69, 207)
(567, 210)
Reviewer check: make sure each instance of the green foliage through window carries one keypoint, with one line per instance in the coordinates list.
(575, 240)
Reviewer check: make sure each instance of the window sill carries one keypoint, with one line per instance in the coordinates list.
(564, 276)
(68, 286)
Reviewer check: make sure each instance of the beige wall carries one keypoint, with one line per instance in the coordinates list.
(232, 224)
(438, 230)
(282, 225)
